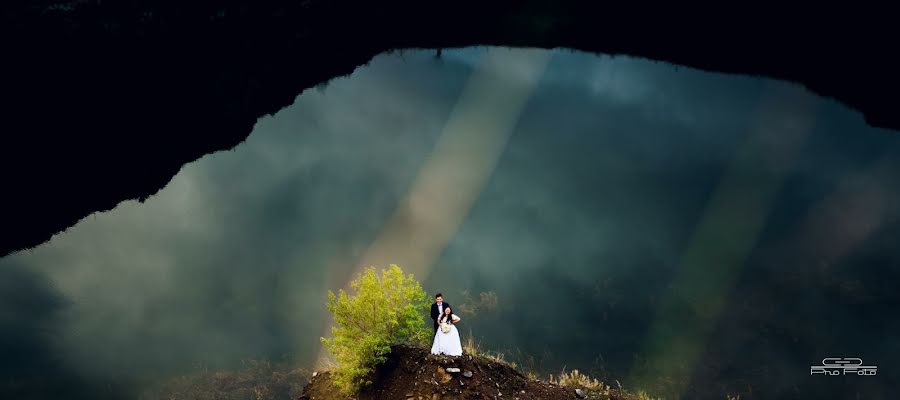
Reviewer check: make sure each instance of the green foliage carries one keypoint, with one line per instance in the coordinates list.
(383, 311)
(487, 303)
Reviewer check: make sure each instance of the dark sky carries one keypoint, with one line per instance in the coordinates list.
(620, 185)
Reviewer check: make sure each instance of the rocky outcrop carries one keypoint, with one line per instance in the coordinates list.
(414, 373)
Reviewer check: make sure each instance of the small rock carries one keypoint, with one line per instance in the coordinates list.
(315, 373)
(580, 393)
(452, 370)
(467, 374)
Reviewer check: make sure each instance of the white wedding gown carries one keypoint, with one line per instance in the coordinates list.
(447, 343)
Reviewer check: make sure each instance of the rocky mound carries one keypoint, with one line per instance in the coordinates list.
(414, 373)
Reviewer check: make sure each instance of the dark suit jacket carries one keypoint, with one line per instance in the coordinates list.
(435, 314)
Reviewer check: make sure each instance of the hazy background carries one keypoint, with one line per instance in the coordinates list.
(579, 232)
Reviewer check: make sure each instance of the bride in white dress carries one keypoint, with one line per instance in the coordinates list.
(446, 339)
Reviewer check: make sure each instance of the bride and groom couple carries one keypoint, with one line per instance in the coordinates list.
(446, 337)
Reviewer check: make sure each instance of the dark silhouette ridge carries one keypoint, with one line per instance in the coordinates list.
(105, 100)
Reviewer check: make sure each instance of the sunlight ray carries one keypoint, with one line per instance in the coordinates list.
(461, 163)
(722, 241)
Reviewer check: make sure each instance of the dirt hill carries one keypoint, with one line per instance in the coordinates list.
(414, 373)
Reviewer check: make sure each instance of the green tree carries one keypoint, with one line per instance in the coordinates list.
(384, 310)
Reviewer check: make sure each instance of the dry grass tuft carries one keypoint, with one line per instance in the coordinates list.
(473, 348)
(576, 379)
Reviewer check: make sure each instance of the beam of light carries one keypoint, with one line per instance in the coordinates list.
(845, 219)
(721, 243)
(463, 159)
(839, 224)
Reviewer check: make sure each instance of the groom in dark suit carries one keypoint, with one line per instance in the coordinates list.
(437, 308)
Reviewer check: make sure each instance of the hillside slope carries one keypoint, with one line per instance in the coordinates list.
(414, 373)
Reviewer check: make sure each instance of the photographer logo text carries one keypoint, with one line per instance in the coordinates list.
(842, 366)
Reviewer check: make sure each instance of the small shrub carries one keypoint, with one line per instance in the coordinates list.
(384, 311)
(487, 303)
